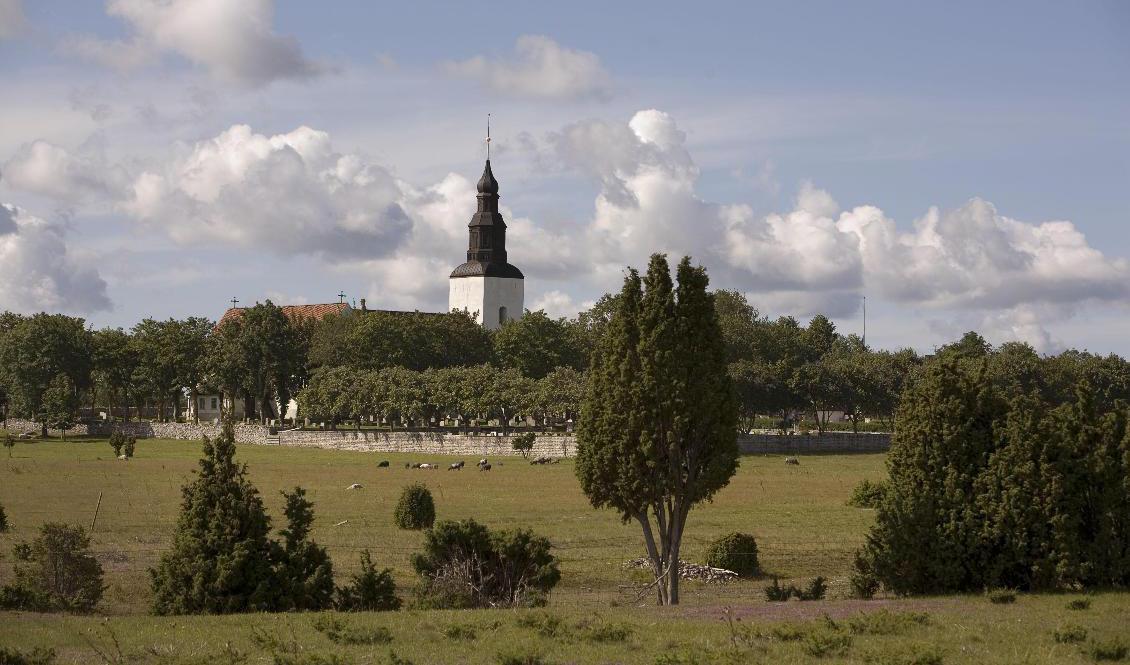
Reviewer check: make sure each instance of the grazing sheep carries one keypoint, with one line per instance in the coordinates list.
(426, 466)
(354, 486)
(482, 461)
(484, 467)
(383, 464)
(416, 465)
(792, 460)
(456, 466)
(407, 465)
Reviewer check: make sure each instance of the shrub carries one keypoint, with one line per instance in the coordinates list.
(37, 656)
(57, 572)
(826, 643)
(131, 443)
(1001, 596)
(4, 526)
(303, 572)
(814, 591)
(464, 564)
(461, 632)
(117, 442)
(1070, 634)
(369, 590)
(867, 494)
(524, 443)
(775, 593)
(885, 622)
(340, 632)
(416, 508)
(1111, 650)
(736, 552)
(1079, 604)
(220, 561)
(864, 582)
(520, 658)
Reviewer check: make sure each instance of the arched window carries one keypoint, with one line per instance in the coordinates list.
(502, 315)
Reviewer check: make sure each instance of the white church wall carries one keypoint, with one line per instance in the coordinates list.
(486, 296)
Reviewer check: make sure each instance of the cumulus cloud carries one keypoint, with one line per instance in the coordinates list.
(37, 271)
(11, 18)
(539, 68)
(50, 170)
(234, 41)
(289, 194)
(819, 258)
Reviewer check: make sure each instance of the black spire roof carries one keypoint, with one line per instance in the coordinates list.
(486, 248)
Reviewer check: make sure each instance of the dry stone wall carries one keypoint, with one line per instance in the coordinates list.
(19, 426)
(440, 443)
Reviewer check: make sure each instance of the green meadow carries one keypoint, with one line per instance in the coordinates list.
(798, 514)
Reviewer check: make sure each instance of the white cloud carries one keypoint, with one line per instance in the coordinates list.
(11, 18)
(289, 194)
(540, 68)
(37, 271)
(556, 304)
(49, 170)
(234, 41)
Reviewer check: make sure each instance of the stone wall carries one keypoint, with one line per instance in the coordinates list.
(440, 443)
(427, 443)
(804, 444)
(19, 426)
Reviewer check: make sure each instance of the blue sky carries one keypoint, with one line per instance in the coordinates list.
(962, 165)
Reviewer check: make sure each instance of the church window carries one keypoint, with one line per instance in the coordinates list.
(502, 317)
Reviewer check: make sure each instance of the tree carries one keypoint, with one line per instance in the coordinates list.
(57, 571)
(35, 351)
(659, 428)
(155, 345)
(272, 358)
(926, 537)
(59, 406)
(535, 345)
(303, 569)
(114, 365)
(559, 394)
(220, 560)
(369, 590)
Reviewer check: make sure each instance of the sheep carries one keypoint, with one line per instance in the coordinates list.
(456, 466)
(792, 460)
(383, 464)
(484, 467)
(354, 486)
(482, 461)
(426, 466)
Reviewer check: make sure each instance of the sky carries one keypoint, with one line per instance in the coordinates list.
(958, 166)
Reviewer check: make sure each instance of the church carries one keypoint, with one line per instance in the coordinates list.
(486, 286)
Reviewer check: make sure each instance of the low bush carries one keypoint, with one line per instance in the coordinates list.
(775, 593)
(736, 552)
(57, 572)
(814, 590)
(416, 509)
(465, 565)
(913, 655)
(543, 623)
(1070, 634)
(520, 658)
(1001, 596)
(826, 643)
(4, 526)
(461, 632)
(864, 582)
(1111, 650)
(36, 656)
(130, 445)
(340, 632)
(1079, 604)
(117, 442)
(368, 590)
(867, 494)
(885, 622)
(524, 443)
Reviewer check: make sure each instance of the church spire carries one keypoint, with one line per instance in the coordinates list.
(486, 242)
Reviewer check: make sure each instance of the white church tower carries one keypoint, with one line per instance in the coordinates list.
(486, 285)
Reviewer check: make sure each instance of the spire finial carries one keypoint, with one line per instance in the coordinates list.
(234, 302)
(488, 137)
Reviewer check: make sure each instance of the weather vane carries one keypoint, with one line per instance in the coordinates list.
(488, 137)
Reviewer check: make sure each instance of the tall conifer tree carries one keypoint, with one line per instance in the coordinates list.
(220, 561)
(659, 427)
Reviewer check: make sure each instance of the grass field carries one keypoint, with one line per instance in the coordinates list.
(798, 514)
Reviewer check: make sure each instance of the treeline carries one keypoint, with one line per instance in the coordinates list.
(52, 365)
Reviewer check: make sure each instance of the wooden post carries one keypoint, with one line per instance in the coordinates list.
(96, 507)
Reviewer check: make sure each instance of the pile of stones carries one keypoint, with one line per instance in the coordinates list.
(692, 571)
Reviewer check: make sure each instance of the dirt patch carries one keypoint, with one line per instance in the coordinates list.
(807, 610)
